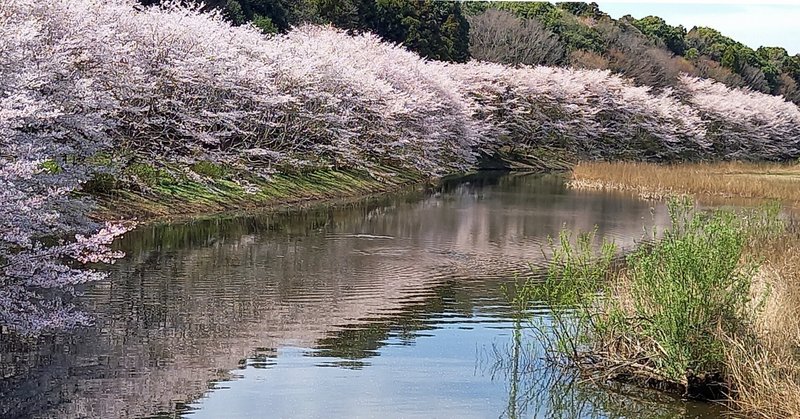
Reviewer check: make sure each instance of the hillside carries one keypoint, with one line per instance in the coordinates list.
(647, 50)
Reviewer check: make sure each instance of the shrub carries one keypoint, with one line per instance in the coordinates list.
(666, 315)
(689, 287)
(209, 169)
(100, 184)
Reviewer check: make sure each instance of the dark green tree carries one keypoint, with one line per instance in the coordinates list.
(233, 12)
(792, 67)
(340, 13)
(730, 58)
(708, 42)
(656, 27)
(264, 23)
(582, 9)
(435, 29)
(241, 11)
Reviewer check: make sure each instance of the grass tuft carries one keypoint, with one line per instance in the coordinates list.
(674, 314)
(209, 169)
(147, 175)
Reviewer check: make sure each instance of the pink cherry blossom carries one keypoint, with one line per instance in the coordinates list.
(173, 84)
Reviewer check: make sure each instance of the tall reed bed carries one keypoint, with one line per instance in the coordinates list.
(769, 181)
(764, 365)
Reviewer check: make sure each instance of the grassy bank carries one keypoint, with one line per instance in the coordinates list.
(770, 181)
(162, 191)
(171, 193)
(706, 308)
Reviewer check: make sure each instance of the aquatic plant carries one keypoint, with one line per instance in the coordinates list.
(687, 288)
(666, 317)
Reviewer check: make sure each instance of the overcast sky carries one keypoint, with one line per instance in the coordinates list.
(771, 23)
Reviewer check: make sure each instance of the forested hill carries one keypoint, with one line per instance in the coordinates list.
(648, 50)
(576, 34)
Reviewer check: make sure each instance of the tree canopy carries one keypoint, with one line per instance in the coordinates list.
(578, 34)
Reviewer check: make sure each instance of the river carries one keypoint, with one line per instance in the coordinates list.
(388, 306)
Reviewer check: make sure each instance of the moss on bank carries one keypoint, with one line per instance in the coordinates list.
(144, 191)
(184, 196)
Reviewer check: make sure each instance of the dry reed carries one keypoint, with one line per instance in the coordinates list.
(764, 364)
(769, 181)
(763, 361)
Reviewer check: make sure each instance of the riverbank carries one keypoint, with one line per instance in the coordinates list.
(709, 309)
(757, 181)
(170, 192)
(176, 197)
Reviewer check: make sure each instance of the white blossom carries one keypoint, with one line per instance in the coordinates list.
(171, 83)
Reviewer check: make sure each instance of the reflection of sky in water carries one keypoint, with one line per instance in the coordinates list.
(450, 371)
(434, 377)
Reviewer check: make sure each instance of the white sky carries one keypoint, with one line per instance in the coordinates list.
(771, 23)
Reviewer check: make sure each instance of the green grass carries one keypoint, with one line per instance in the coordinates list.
(148, 175)
(690, 286)
(50, 166)
(209, 169)
(667, 312)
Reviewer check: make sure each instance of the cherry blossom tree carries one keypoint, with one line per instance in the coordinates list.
(51, 121)
(744, 124)
(175, 83)
(592, 113)
(87, 81)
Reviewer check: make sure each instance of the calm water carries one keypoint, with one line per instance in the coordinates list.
(387, 307)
